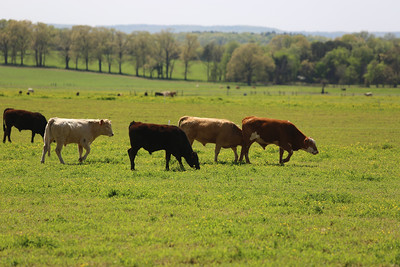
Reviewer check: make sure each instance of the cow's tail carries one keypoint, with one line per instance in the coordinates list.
(47, 135)
(4, 119)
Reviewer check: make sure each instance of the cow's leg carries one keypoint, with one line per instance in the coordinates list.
(217, 150)
(235, 152)
(87, 148)
(58, 152)
(281, 151)
(45, 149)
(179, 159)
(167, 159)
(132, 154)
(7, 133)
(80, 149)
(245, 152)
(33, 136)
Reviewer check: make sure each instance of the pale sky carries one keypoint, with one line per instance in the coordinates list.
(286, 15)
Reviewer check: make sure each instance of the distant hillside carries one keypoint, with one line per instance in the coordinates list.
(224, 29)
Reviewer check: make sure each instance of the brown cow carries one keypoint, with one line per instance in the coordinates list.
(23, 120)
(282, 133)
(222, 133)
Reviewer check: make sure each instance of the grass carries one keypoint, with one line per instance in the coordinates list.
(340, 207)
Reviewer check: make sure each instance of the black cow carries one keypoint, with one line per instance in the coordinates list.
(23, 120)
(153, 137)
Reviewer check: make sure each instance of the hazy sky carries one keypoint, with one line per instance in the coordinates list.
(288, 15)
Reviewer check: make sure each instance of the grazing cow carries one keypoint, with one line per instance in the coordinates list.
(154, 137)
(222, 133)
(284, 134)
(23, 120)
(81, 132)
(166, 93)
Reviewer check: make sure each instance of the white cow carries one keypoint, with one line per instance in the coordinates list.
(79, 131)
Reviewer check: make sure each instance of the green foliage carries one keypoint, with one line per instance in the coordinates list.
(340, 207)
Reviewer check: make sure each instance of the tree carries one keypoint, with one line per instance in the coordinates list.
(64, 45)
(286, 66)
(99, 35)
(82, 43)
(249, 64)
(375, 73)
(20, 39)
(42, 38)
(121, 48)
(110, 48)
(189, 52)
(4, 39)
(170, 50)
(226, 57)
(139, 49)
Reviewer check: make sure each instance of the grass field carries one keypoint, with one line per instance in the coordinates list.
(340, 207)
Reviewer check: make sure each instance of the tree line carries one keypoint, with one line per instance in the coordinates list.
(358, 58)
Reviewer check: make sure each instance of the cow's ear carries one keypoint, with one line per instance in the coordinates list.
(306, 141)
(101, 122)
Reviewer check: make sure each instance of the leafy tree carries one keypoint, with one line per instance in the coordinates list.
(20, 39)
(286, 66)
(376, 73)
(4, 39)
(110, 48)
(249, 64)
(189, 52)
(42, 38)
(99, 42)
(64, 45)
(226, 57)
(170, 50)
(82, 43)
(139, 49)
(121, 48)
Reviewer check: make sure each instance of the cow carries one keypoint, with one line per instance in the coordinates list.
(154, 137)
(222, 133)
(79, 131)
(23, 120)
(166, 93)
(282, 133)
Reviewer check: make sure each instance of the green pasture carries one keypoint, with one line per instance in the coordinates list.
(340, 207)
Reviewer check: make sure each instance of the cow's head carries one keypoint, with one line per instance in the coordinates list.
(310, 146)
(106, 127)
(194, 161)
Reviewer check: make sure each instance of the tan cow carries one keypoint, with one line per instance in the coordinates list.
(79, 131)
(282, 133)
(223, 133)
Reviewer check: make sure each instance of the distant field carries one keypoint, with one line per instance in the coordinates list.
(340, 207)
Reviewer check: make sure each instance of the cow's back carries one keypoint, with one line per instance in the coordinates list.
(25, 120)
(210, 130)
(271, 130)
(153, 137)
